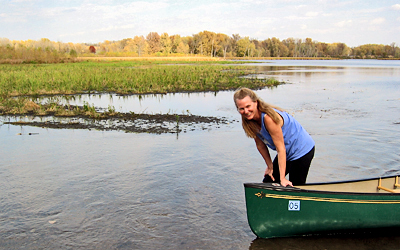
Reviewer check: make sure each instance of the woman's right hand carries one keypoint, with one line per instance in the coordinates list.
(269, 172)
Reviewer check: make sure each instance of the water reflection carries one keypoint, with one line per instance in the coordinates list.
(202, 103)
(333, 242)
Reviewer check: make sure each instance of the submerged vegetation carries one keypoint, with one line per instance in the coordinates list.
(20, 84)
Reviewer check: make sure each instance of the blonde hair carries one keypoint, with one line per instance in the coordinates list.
(251, 127)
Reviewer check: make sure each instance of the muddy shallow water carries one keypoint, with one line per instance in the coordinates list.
(126, 122)
(81, 189)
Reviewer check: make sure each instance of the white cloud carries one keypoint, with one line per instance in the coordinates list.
(396, 7)
(292, 17)
(253, 1)
(114, 27)
(72, 34)
(343, 23)
(21, 1)
(311, 14)
(327, 14)
(13, 18)
(297, 18)
(103, 11)
(299, 6)
(378, 20)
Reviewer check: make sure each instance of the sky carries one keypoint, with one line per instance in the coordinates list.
(353, 22)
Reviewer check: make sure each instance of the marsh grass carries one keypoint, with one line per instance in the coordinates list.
(28, 81)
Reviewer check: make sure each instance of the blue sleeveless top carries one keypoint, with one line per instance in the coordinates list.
(297, 141)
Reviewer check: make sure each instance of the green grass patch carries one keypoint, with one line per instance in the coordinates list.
(121, 77)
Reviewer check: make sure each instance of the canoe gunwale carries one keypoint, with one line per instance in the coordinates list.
(299, 189)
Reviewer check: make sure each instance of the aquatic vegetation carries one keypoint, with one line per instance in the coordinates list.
(121, 77)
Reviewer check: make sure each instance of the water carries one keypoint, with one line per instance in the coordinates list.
(77, 189)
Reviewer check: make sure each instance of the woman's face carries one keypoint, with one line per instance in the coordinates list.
(247, 108)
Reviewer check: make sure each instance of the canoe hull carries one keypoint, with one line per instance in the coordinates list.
(274, 211)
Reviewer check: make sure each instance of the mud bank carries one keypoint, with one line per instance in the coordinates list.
(130, 123)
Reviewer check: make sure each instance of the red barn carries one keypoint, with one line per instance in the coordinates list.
(92, 49)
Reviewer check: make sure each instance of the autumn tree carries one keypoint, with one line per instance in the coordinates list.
(322, 49)
(235, 38)
(189, 41)
(338, 50)
(166, 44)
(208, 42)
(129, 45)
(274, 46)
(105, 46)
(225, 43)
(258, 51)
(251, 49)
(139, 45)
(175, 41)
(393, 49)
(154, 42)
(196, 44)
(309, 48)
(245, 47)
(202, 43)
(290, 45)
(220, 39)
(45, 44)
(73, 53)
(183, 46)
(214, 44)
(4, 42)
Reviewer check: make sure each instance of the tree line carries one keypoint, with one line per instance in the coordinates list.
(204, 43)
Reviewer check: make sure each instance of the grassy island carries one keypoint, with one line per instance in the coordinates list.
(22, 84)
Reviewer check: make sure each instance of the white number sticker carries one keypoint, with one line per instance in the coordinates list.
(294, 206)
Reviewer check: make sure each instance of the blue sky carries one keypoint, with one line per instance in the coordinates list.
(354, 22)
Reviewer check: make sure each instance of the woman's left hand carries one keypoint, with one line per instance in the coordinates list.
(285, 182)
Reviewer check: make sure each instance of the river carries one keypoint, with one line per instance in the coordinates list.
(80, 189)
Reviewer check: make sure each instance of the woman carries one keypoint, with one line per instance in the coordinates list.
(270, 126)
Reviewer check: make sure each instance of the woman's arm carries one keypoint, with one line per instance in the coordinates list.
(275, 130)
(262, 148)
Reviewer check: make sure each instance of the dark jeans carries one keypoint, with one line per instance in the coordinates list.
(297, 169)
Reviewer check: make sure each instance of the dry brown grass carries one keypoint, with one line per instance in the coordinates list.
(31, 106)
(151, 58)
(281, 58)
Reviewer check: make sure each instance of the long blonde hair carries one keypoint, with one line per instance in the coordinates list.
(251, 127)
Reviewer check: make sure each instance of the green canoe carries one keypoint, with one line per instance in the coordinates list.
(320, 208)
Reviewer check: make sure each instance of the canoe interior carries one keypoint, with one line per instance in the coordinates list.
(388, 184)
